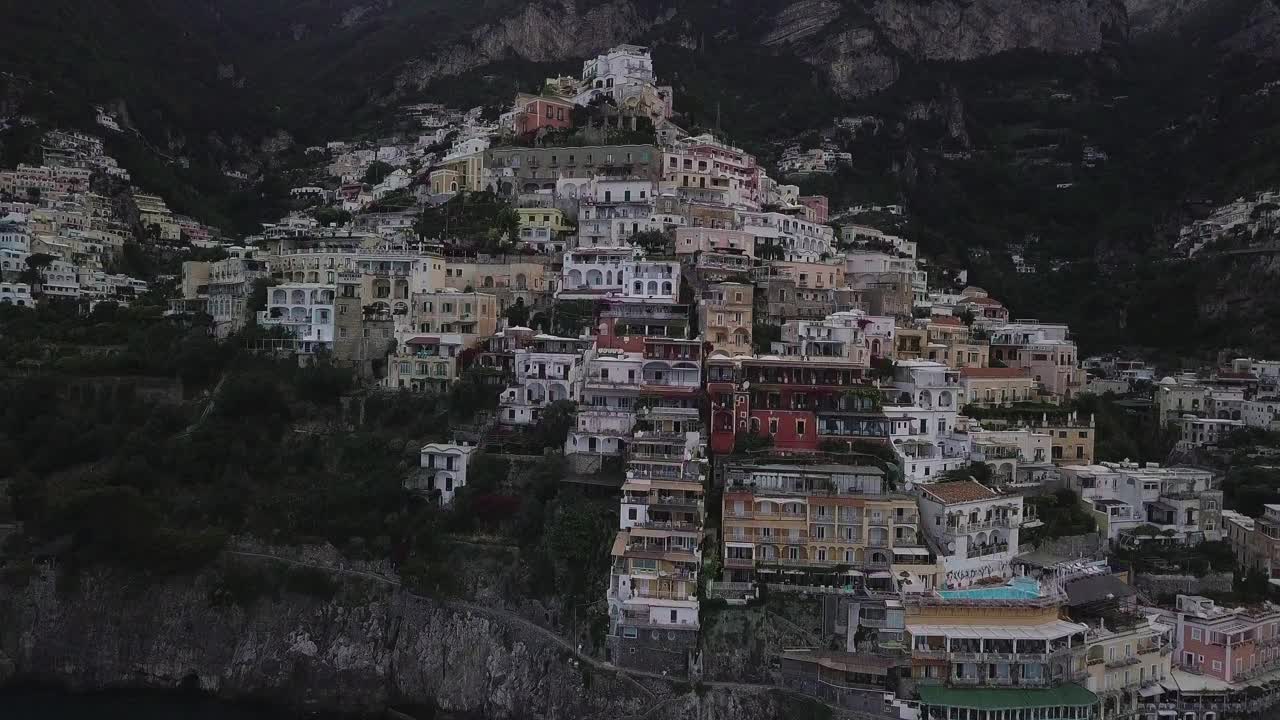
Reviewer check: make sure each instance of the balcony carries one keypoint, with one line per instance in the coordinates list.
(967, 528)
(1123, 662)
(966, 657)
(986, 550)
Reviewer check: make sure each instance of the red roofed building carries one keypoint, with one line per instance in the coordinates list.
(985, 310)
(976, 528)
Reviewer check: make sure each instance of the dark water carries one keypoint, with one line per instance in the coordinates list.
(34, 705)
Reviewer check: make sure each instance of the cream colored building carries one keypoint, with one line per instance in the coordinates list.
(725, 316)
(513, 282)
(472, 315)
(988, 387)
(1127, 663)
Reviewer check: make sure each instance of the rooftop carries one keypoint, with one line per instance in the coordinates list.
(1099, 587)
(992, 372)
(1068, 695)
(961, 491)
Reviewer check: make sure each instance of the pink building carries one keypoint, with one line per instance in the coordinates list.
(817, 207)
(534, 112)
(1231, 644)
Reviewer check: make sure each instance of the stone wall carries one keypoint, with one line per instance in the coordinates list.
(1157, 585)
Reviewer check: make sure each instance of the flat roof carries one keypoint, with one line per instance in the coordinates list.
(1068, 695)
(1041, 631)
(851, 469)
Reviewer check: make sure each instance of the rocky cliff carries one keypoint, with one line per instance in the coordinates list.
(363, 648)
(858, 47)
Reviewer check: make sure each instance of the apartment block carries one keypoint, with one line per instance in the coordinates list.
(820, 525)
(725, 317)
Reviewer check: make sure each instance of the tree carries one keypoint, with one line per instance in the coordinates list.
(554, 424)
(506, 225)
(763, 335)
(32, 275)
(257, 301)
(327, 216)
(377, 172)
(517, 314)
(652, 242)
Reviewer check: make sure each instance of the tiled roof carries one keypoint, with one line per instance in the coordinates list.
(991, 372)
(945, 320)
(982, 301)
(959, 491)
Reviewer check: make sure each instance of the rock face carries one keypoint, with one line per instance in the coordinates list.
(366, 648)
(858, 48)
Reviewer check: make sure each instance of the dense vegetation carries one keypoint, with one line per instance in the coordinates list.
(104, 470)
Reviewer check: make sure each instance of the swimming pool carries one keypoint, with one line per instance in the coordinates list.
(1018, 589)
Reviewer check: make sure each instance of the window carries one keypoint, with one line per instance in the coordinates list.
(800, 428)
(630, 632)
(1217, 664)
(631, 513)
(1196, 634)
(773, 426)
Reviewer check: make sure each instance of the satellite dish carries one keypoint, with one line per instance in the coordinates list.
(746, 384)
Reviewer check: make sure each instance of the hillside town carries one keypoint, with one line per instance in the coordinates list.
(783, 399)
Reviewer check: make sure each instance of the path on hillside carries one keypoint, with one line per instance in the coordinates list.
(553, 637)
(208, 408)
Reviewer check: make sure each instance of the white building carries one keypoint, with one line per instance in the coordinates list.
(1181, 500)
(444, 468)
(594, 273)
(548, 369)
(16, 294)
(1261, 412)
(1202, 432)
(922, 401)
(838, 335)
(975, 528)
(800, 239)
(306, 310)
(60, 279)
(1178, 396)
(611, 211)
(610, 392)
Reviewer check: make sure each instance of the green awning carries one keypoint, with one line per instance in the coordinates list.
(1068, 695)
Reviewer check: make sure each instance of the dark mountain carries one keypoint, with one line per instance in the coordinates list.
(984, 111)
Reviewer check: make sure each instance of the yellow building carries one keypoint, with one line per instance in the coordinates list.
(980, 648)
(725, 316)
(552, 219)
(1127, 660)
(821, 525)
(988, 387)
(951, 342)
(456, 174)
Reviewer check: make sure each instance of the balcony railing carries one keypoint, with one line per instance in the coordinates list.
(985, 550)
(1123, 661)
(965, 528)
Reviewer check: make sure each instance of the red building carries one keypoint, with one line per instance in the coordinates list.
(817, 205)
(798, 402)
(534, 112)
